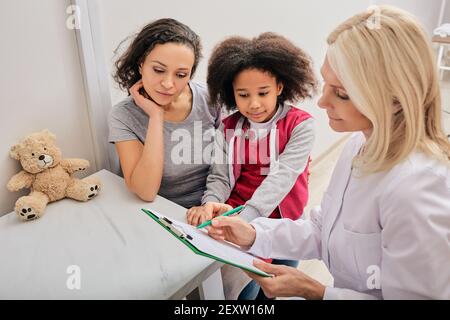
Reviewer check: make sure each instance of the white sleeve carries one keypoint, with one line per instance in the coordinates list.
(415, 235)
(288, 239)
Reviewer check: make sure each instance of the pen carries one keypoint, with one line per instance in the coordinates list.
(226, 214)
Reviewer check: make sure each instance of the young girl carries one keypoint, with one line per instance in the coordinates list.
(266, 144)
(165, 105)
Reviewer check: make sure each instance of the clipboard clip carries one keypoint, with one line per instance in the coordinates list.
(168, 225)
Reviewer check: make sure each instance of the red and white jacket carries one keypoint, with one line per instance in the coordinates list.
(267, 171)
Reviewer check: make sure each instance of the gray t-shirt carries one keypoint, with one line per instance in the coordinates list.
(187, 145)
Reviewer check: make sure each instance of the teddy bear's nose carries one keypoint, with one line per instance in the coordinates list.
(42, 157)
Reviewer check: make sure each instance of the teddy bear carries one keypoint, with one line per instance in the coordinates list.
(49, 177)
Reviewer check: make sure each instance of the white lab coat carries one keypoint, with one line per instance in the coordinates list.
(385, 235)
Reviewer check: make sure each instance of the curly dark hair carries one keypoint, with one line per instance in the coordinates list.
(158, 32)
(268, 52)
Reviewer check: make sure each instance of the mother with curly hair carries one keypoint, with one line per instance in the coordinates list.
(162, 129)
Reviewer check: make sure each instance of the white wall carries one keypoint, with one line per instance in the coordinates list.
(307, 23)
(446, 15)
(426, 11)
(40, 84)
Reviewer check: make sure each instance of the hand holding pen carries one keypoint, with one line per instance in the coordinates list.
(200, 214)
(232, 229)
(226, 214)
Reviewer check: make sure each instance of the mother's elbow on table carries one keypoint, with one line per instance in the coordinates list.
(147, 195)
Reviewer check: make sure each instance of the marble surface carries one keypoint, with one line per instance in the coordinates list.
(121, 253)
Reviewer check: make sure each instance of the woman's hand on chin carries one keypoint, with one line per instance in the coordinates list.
(150, 107)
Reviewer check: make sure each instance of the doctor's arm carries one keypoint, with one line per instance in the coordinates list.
(288, 239)
(301, 239)
(271, 238)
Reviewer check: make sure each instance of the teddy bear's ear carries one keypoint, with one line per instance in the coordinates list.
(49, 135)
(14, 152)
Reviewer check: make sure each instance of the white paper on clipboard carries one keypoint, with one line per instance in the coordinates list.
(222, 249)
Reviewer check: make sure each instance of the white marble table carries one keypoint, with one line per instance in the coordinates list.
(117, 251)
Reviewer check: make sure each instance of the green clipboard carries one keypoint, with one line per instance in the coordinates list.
(167, 224)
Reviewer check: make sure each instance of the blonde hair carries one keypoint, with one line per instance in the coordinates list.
(386, 64)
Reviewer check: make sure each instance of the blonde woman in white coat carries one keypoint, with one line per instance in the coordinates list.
(383, 226)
